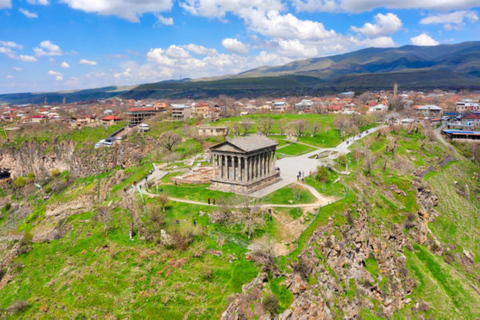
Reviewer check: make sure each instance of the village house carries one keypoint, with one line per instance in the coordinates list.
(137, 114)
(429, 110)
(303, 105)
(279, 105)
(378, 108)
(110, 120)
(181, 112)
(472, 119)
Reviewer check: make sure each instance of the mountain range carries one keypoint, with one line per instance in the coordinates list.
(452, 66)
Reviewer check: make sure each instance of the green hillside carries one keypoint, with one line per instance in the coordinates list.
(399, 237)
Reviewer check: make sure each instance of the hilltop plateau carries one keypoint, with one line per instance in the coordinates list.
(388, 230)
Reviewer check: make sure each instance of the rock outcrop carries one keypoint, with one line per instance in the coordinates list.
(81, 160)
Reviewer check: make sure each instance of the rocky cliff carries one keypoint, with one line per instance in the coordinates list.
(80, 160)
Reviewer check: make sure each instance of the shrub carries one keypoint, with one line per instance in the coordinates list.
(181, 239)
(270, 303)
(20, 182)
(7, 206)
(30, 176)
(302, 268)
(54, 172)
(322, 174)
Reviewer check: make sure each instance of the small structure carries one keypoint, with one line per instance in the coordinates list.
(110, 120)
(212, 131)
(143, 127)
(244, 165)
(461, 134)
(378, 108)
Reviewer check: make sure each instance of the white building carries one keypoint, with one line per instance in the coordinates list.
(378, 108)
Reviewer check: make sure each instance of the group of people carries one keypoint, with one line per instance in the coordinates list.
(213, 201)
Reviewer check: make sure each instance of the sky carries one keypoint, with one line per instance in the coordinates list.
(52, 45)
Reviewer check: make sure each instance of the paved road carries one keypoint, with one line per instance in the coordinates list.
(290, 166)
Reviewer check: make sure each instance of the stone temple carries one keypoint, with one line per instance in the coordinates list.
(244, 165)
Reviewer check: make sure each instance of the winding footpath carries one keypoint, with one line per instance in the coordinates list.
(289, 169)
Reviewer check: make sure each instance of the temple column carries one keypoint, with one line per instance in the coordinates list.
(215, 167)
(236, 168)
(229, 164)
(260, 161)
(222, 166)
(265, 162)
(268, 162)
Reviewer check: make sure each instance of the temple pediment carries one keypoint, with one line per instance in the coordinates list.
(228, 147)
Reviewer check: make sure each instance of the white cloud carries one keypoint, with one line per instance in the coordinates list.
(10, 44)
(47, 48)
(88, 62)
(454, 20)
(8, 52)
(164, 20)
(42, 2)
(58, 76)
(27, 58)
(200, 50)
(17, 69)
(9, 76)
(64, 65)
(384, 24)
(287, 26)
(130, 10)
(5, 4)
(218, 8)
(233, 45)
(423, 40)
(379, 42)
(27, 13)
(357, 6)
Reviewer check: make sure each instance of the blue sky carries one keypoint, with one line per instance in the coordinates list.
(50, 45)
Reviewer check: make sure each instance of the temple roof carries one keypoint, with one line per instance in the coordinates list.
(246, 144)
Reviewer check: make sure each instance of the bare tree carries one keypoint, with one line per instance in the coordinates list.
(169, 139)
(314, 128)
(246, 125)
(296, 194)
(281, 127)
(299, 127)
(153, 222)
(128, 202)
(396, 103)
(236, 128)
(162, 200)
(368, 158)
(105, 217)
(264, 124)
(248, 214)
(342, 123)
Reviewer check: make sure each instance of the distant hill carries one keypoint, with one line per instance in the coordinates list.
(455, 66)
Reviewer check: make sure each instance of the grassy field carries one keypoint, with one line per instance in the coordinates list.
(295, 149)
(327, 136)
(290, 195)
